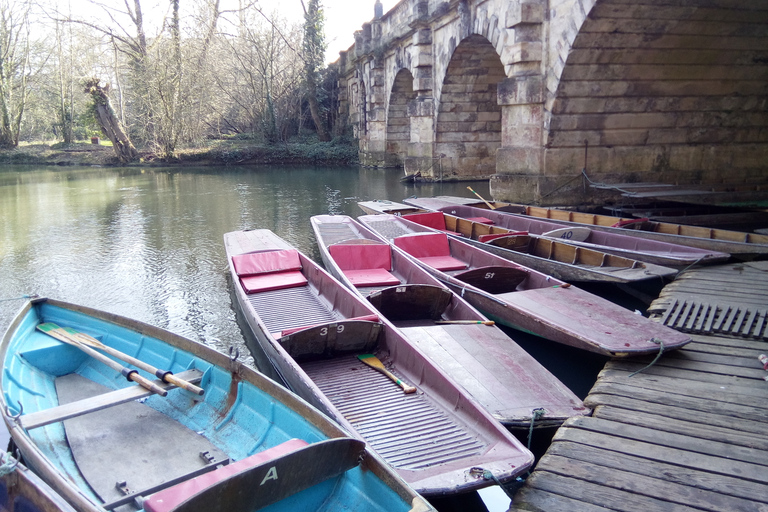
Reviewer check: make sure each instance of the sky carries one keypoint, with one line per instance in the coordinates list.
(342, 19)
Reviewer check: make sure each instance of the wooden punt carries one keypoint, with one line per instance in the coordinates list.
(739, 244)
(104, 443)
(23, 491)
(496, 371)
(524, 298)
(620, 244)
(551, 256)
(314, 331)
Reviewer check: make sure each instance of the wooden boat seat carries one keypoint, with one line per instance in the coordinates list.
(269, 270)
(430, 248)
(493, 279)
(261, 479)
(366, 318)
(494, 236)
(365, 264)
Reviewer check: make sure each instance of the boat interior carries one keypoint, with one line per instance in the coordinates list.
(158, 446)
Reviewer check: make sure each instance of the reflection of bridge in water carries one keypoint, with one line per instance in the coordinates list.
(669, 91)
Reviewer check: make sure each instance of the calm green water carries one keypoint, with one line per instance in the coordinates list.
(147, 243)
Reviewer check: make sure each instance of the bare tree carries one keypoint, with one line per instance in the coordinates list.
(110, 125)
(14, 69)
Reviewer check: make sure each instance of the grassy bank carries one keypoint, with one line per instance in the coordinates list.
(215, 152)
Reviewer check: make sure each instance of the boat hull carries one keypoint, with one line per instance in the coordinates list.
(492, 367)
(241, 413)
(340, 385)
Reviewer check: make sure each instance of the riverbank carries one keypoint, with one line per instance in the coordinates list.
(215, 152)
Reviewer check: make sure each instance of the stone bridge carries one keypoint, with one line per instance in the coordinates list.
(546, 96)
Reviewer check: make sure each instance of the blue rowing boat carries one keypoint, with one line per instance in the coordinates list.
(91, 417)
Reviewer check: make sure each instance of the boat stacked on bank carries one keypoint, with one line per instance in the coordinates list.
(331, 347)
(479, 356)
(739, 244)
(548, 255)
(649, 251)
(214, 435)
(524, 298)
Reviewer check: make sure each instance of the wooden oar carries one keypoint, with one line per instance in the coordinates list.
(460, 322)
(129, 373)
(164, 375)
(481, 197)
(374, 362)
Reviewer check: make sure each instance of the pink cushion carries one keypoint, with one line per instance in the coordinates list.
(371, 277)
(434, 220)
(424, 244)
(488, 238)
(361, 256)
(481, 220)
(274, 281)
(266, 262)
(443, 262)
(170, 498)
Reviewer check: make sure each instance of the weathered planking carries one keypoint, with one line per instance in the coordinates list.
(672, 411)
(728, 485)
(666, 424)
(689, 432)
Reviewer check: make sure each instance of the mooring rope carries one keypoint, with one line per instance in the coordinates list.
(661, 351)
(9, 464)
(535, 415)
(32, 296)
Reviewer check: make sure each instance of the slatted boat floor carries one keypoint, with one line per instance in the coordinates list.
(408, 431)
(689, 433)
(277, 308)
(335, 232)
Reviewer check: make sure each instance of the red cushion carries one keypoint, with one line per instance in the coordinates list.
(434, 220)
(273, 281)
(361, 256)
(170, 498)
(488, 238)
(481, 220)
(443, 262)
(424, 244)
(265, 262)
(371, 277)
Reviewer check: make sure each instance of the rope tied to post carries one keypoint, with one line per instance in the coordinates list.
(658, 355)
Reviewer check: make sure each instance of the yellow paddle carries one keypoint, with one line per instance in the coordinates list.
(481, 197)
(374, 362)
(481, 322)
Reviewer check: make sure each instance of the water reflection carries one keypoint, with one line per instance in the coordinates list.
(147, 243)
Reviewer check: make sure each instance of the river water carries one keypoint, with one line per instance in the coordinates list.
(147, 243)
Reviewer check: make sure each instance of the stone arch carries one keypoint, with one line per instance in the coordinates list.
(468, 124)
(665, 92)
(398, 120)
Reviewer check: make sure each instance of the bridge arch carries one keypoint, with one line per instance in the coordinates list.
(468, 123)
(398, 120)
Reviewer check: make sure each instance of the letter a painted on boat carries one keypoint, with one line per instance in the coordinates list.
(271, 475)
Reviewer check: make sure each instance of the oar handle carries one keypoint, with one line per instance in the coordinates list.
(138, 363)
(481, 197)
(133, 375)
(450, 322)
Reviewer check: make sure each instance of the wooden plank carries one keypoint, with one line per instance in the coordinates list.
(671, 455)
(744, 425)
(749, 456)
(601, 495)
(705, 357)
(666, 424)
(732, 394)
(97, 403)
(536, 500)
(642, 485)
(727, 485)
(698, 371)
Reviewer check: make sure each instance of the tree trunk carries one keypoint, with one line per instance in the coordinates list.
(109, 123)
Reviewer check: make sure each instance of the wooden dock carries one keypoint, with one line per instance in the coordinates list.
(688, 433)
